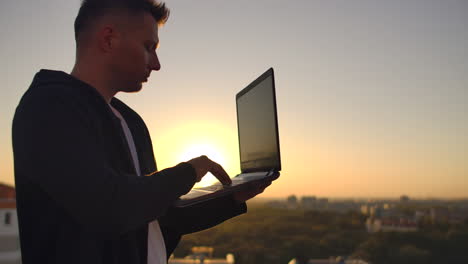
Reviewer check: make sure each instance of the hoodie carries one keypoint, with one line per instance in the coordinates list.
(79, 199)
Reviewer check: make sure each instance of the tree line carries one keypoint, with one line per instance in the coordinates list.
(272, 235)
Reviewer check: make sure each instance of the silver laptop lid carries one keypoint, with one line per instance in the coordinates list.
(257, 124)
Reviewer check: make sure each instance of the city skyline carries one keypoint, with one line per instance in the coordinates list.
(372, 95)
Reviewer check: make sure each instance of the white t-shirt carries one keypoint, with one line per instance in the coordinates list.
(156, 246)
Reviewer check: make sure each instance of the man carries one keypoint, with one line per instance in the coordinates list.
(88, 190)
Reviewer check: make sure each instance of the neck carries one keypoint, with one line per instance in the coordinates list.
(95, 77)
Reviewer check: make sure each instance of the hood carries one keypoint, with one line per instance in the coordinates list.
(49, 77)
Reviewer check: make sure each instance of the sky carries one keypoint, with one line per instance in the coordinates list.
(372, 95)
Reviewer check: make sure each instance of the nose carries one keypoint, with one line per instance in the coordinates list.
(154, 64)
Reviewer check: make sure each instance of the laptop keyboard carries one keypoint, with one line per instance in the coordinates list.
(211, 188)
(235, 181)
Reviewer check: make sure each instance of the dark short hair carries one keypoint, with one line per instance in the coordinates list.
(90, 10)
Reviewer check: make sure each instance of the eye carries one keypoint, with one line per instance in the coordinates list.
(151, 48)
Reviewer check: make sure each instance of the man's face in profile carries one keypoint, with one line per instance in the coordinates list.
(134, 56)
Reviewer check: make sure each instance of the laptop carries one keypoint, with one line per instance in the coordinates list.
(257, 125)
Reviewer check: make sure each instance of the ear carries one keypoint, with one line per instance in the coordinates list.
(108, 39)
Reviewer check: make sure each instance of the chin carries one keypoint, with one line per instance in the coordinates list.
(134, 89)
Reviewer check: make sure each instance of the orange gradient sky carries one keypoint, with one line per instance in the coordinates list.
(372, 95)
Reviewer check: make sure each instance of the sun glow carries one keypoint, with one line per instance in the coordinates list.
(211, 152)
(190, 140)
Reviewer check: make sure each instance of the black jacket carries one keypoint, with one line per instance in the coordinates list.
(78, 197)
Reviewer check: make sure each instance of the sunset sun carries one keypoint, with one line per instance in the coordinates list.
(190, 140)
(211, 151)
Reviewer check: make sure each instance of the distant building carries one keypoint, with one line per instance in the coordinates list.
(404, 198)
(322, 203)
(308, 202)
(7, 191)
(202, 255)
(390, 213)
(384, 210)
(276, 204)
(206, 251)
(440, 214)
(331, 260)
(9, 236)
(291, 202)
(374, 225)
(365, 209)
(458, 216)
(444, 215)
(313, 203)
(419, 215)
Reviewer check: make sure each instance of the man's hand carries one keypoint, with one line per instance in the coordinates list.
(251, 192)
(203, 165)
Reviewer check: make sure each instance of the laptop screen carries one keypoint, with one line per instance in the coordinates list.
(258, 126)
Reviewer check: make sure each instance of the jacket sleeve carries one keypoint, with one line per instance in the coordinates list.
(180, 221)
(58, 151)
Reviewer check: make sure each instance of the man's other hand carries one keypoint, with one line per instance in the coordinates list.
(203, 165)
(251, 192)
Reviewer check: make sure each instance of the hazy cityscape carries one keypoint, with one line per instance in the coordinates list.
(386, 215)
(313, 230)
